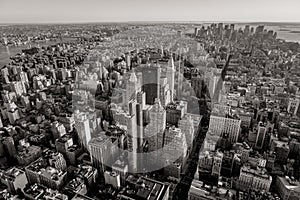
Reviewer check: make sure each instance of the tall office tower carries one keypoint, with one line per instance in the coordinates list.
(186, 125)
(103, 153)
(196, 31)
(139, 76)
(217, 164)
(227, 128)
(132, 121)
(141, 99)
(128, 61)
(9, 147)
(161, 50)
(197, 85)
(220, 26)
(175, 152)
(261, 133)
(151, 78)
(82, 126)
(165, 92)
(247, 30)
(179, 79)
(175, 144)
(156, 127)
(228, 164)
(5, 41)
(293, 105)
(232, 27)
(99, 65)
(131, 88)
(171, 77)
(259, 29)
(132, 134)
(211, 78)
(139, 123)
(220, 30)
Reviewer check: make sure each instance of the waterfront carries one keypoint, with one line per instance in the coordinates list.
(288, 32)
(7, 51)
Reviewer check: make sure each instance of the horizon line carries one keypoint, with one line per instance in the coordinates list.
(151, 21)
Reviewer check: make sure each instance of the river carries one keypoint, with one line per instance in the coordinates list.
(288, 32)
(7, 52)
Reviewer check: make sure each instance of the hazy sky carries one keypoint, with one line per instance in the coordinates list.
(39, 11)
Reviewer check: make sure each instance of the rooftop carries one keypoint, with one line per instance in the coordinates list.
(145, 188)
(290, 183)
(262, 172)
(12, 173)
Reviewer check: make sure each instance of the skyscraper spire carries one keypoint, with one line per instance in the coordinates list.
(133, 77)
(171, 62)
(171, 76)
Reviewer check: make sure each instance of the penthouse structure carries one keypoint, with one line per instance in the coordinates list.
(76, 186)
(175, 111)
(144, 188)
(37, 191)
(14, 179)
(41, 172)
(27, 154)
(254, 178)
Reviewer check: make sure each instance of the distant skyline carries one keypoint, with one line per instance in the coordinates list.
(79, 11)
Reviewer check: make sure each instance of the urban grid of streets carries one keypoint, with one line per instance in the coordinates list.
(149, 111)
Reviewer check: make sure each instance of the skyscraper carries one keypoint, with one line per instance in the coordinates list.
(131, 88)
(257, 179)
(151, 79)
(293, 105)
(226, 128)
(171, 77)
(175, 145)
(165, 92)
(156, 126)
(9, 147)
(83, 128)
(187, 127)
(217, 164)
(102, 152)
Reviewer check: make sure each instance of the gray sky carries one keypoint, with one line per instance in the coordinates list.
(42, 11)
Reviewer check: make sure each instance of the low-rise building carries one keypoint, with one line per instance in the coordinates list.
(288, 188)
